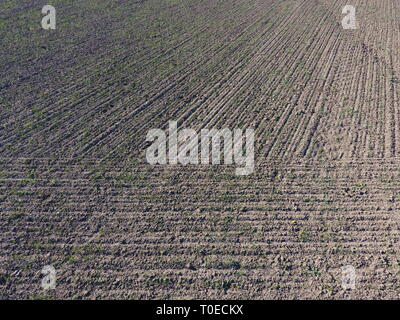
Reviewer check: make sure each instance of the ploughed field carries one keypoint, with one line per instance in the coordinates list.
(77, 193)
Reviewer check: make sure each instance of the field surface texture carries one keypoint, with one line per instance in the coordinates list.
(76, 192)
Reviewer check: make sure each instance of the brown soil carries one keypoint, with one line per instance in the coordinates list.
(76, 193)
